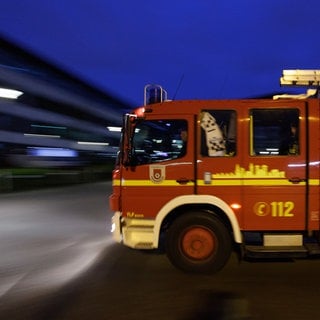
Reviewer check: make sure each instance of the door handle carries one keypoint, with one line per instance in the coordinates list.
(296, 180)
(183, 180)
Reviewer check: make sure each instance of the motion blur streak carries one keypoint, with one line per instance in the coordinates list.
(40, 281)
(49, 238)
(8, 283)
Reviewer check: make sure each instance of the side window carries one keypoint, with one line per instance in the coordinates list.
(159, 140)
(274, 132)
(218, 133)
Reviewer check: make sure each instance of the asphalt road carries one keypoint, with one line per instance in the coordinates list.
(58, 261)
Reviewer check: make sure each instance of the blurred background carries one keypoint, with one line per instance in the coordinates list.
(54, 128)
(77, 66)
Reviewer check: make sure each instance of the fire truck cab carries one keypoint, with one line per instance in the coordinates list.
(207, 177)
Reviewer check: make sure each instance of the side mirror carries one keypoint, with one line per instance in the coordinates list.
(129, 123)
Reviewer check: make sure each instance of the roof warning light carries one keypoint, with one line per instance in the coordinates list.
(300, 78)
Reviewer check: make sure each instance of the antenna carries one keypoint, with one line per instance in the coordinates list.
(178, 87)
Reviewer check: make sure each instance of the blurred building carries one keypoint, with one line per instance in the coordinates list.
(49, 117)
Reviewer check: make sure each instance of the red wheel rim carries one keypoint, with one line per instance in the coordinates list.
(198, 243)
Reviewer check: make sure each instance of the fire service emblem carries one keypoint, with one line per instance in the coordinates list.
(157, 173)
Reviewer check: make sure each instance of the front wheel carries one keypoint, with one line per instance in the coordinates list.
(198, 242)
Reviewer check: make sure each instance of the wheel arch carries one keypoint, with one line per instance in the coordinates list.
(208, 203)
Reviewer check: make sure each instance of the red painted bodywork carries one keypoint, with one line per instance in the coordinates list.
(296, 205)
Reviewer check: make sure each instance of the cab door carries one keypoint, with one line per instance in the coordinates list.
(274, 167)
(161, 166)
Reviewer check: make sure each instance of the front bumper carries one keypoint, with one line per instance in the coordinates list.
(134, 233)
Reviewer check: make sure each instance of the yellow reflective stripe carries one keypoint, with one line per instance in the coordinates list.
(149, 183)
(215, 182)
(116, 182)
(314, 182)
(249, 182)
(271, 182)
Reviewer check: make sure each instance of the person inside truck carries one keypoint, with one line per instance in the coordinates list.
(290, 144)
(184, 138)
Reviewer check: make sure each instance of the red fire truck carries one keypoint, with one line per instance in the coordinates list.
(206, 177)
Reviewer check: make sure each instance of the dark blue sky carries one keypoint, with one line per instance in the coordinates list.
(222, 49)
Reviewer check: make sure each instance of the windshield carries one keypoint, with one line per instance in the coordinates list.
(159, 140)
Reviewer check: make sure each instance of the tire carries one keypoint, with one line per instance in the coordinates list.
(198, 242)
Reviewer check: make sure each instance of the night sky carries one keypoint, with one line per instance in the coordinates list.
(205, 48)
